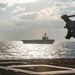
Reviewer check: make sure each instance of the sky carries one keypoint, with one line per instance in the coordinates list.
(30, 19)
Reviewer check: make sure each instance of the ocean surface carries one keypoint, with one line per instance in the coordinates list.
(19, 50)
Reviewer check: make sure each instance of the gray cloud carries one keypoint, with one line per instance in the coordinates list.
(3, 6)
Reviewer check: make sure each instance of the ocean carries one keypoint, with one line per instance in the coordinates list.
(19, 50)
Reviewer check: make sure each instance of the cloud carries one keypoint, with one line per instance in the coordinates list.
(54, 12)
(47, 13)
(3, 6)
(71, 3)
(44, 14)
(12, 2)
(26, 16)
(48, 17)
(19, 9)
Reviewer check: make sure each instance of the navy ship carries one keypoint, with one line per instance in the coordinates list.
(44, 40)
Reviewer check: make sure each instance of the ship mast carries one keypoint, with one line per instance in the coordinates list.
(45, 35)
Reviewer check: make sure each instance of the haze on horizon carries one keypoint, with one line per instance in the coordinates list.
(30, 19)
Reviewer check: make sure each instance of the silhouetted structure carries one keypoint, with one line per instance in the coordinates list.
(44, 40)
(70, 25)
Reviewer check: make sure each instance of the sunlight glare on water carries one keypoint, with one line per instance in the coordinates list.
(19, 50)
(38, 50)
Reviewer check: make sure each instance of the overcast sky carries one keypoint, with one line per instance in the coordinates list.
(30, 19)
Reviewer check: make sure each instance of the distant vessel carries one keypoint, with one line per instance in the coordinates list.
(44, 40)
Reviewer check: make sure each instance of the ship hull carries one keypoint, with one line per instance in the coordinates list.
(38, 41)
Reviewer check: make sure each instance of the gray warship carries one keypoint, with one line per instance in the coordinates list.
(44, 40)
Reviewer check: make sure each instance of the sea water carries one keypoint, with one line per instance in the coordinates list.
(20, 50)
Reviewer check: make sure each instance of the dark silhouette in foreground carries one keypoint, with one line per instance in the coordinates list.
(70, 26)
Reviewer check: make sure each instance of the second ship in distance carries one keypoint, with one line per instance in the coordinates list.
(44, 40)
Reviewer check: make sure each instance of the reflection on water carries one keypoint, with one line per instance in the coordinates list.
(19, 50)
(64, 49)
